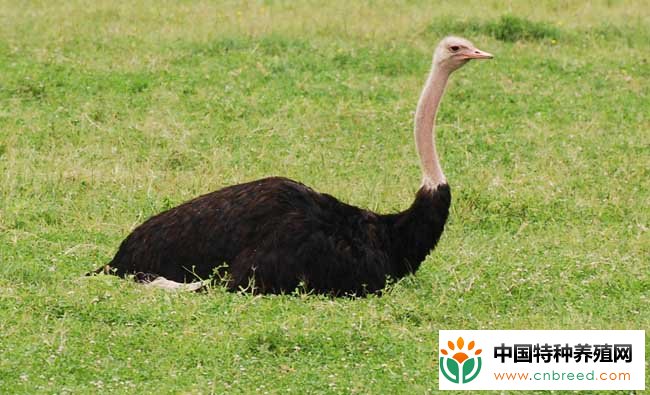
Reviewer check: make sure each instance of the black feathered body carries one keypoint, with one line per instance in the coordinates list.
(276, 234)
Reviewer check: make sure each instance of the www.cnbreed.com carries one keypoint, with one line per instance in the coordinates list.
(559, 376)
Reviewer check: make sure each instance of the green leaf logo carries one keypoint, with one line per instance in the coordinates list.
(460, 368)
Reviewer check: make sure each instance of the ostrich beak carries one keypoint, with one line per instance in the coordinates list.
(476, 53)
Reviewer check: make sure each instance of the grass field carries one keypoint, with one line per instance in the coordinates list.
(111, 112)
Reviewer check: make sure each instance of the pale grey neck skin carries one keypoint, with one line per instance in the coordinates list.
(425, 119)
(450, 55)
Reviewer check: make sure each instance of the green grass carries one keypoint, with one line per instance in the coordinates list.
(110, 113)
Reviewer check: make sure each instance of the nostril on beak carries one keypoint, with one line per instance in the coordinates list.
(475, 51)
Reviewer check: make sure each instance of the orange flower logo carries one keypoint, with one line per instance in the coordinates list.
(460, 356)
(452, 362)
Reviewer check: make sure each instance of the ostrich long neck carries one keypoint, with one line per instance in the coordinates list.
(425, 119)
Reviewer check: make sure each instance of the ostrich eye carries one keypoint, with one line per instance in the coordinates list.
(454, 48)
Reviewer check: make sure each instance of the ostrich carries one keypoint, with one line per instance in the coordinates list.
(274, 235)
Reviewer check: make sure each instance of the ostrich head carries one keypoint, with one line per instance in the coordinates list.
(454, 52)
